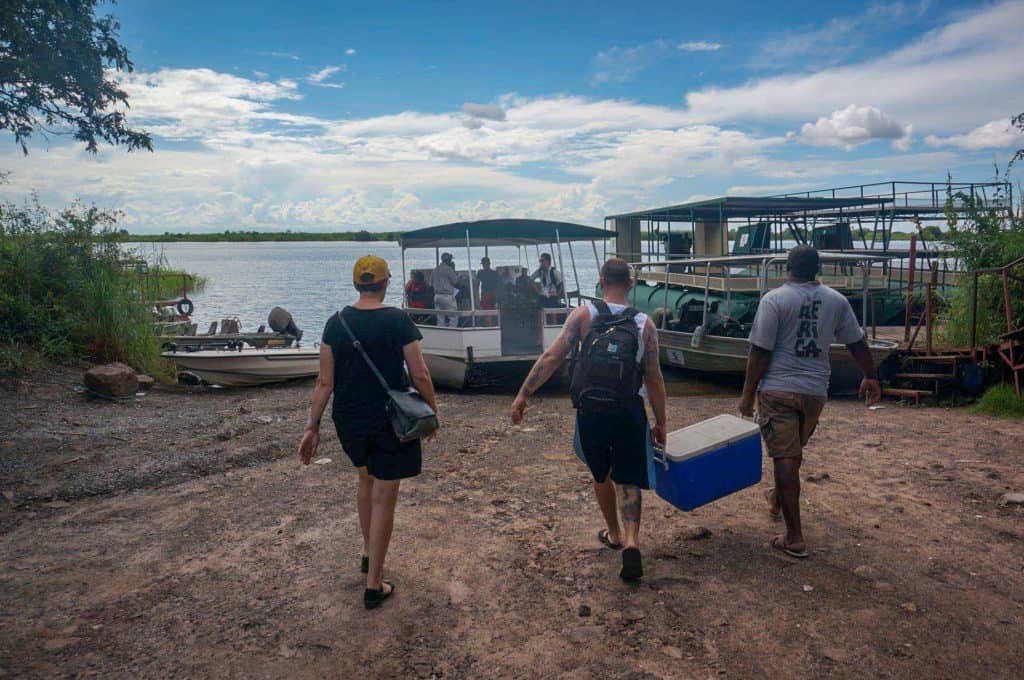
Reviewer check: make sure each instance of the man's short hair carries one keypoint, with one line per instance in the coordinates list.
(485, 260)
(447, 257)
(803, 262)
(616, 270)
(371, 287)
(545, 256)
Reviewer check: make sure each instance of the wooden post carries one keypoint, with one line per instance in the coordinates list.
(910, 288)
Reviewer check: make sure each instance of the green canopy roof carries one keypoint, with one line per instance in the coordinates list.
(502, 232)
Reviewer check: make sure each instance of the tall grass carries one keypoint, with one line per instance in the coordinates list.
(1001, 401)
(64, 293)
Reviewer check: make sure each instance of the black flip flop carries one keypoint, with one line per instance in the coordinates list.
(602, 536)
(364, 565)
(632, 565)
(779, 543)
(374, 598)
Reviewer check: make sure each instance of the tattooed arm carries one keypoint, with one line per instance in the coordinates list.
(549, 362)
(655, 383)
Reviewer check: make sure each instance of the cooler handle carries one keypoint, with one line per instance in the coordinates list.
(659, 457)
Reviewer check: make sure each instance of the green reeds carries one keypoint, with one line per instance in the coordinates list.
(65, 294)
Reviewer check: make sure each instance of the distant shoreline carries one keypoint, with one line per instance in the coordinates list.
(260, 236)
(299, 236)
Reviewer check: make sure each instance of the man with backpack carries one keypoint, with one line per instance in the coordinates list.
(616, 364)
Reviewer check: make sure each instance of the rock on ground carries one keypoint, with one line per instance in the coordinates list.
(112, 380)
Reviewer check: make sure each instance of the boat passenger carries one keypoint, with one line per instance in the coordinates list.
(392, 342)
(550, 283)
(417, 291)
(613, 439)
(489, 281)
(445, 281)
(787, 374)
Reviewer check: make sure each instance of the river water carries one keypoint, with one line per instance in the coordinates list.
(313, 279)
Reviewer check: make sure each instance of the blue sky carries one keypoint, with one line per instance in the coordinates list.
(323, 116)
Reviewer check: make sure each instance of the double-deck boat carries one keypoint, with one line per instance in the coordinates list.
(703, 307)
(494, 342)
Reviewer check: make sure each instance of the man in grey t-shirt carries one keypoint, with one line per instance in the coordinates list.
(445, 280)
(788, 371)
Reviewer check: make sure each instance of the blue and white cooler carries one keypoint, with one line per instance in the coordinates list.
(708, 460)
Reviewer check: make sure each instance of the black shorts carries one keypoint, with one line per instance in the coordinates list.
(382, 454)
(616, 443)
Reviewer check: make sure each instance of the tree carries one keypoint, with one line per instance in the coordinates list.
(56, 65)
(1017, 122)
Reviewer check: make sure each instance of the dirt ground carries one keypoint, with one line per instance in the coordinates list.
(177, 536)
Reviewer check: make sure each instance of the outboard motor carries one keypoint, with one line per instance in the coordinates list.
(282, 322)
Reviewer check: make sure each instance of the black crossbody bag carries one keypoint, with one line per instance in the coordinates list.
(410, 415)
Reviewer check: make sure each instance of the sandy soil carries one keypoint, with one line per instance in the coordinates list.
(176, 536)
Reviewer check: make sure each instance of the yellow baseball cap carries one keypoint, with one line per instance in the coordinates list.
(370, 269)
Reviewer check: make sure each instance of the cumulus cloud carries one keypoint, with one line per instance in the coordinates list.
(190, 103)
(699, 46)
(998, 134)
(853, 126)
(350, 51)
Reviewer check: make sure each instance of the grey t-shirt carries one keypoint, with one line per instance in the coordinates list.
(797, 322)
(444, 280)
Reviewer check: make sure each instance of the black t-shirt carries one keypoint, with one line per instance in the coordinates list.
(489, 280)
(359, 398)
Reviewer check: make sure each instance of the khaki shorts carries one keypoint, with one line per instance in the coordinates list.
(787, 421)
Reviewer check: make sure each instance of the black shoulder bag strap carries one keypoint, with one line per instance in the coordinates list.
(359, 348)
(602, 307)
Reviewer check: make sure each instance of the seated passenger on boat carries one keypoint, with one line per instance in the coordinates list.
(550, 282)
(417, 291)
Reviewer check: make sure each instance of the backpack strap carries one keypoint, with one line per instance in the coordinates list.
(602, 307)
(630, 312)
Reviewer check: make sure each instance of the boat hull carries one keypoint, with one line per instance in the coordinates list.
(240, 368)
(505, 372)
(728, 356)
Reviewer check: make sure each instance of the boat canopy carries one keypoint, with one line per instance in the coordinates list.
(501, 232)
(752, 206)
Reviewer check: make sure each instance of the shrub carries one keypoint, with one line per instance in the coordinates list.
(984, 238)
(1001, 401)
(64, 292)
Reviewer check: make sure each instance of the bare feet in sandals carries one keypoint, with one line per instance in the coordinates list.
(795, 549)
(774, 505)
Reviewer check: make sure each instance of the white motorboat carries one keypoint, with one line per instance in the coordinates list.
(247, 365)
(496, 345)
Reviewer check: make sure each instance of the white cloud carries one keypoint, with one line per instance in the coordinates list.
(350, 51)
(997, 134)
(838, 37)
(622, 64)
(280, 55)
(262, 75)
(853, 126)
(699, 46)
(193, 103)
(318, 78)
(945, 81)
